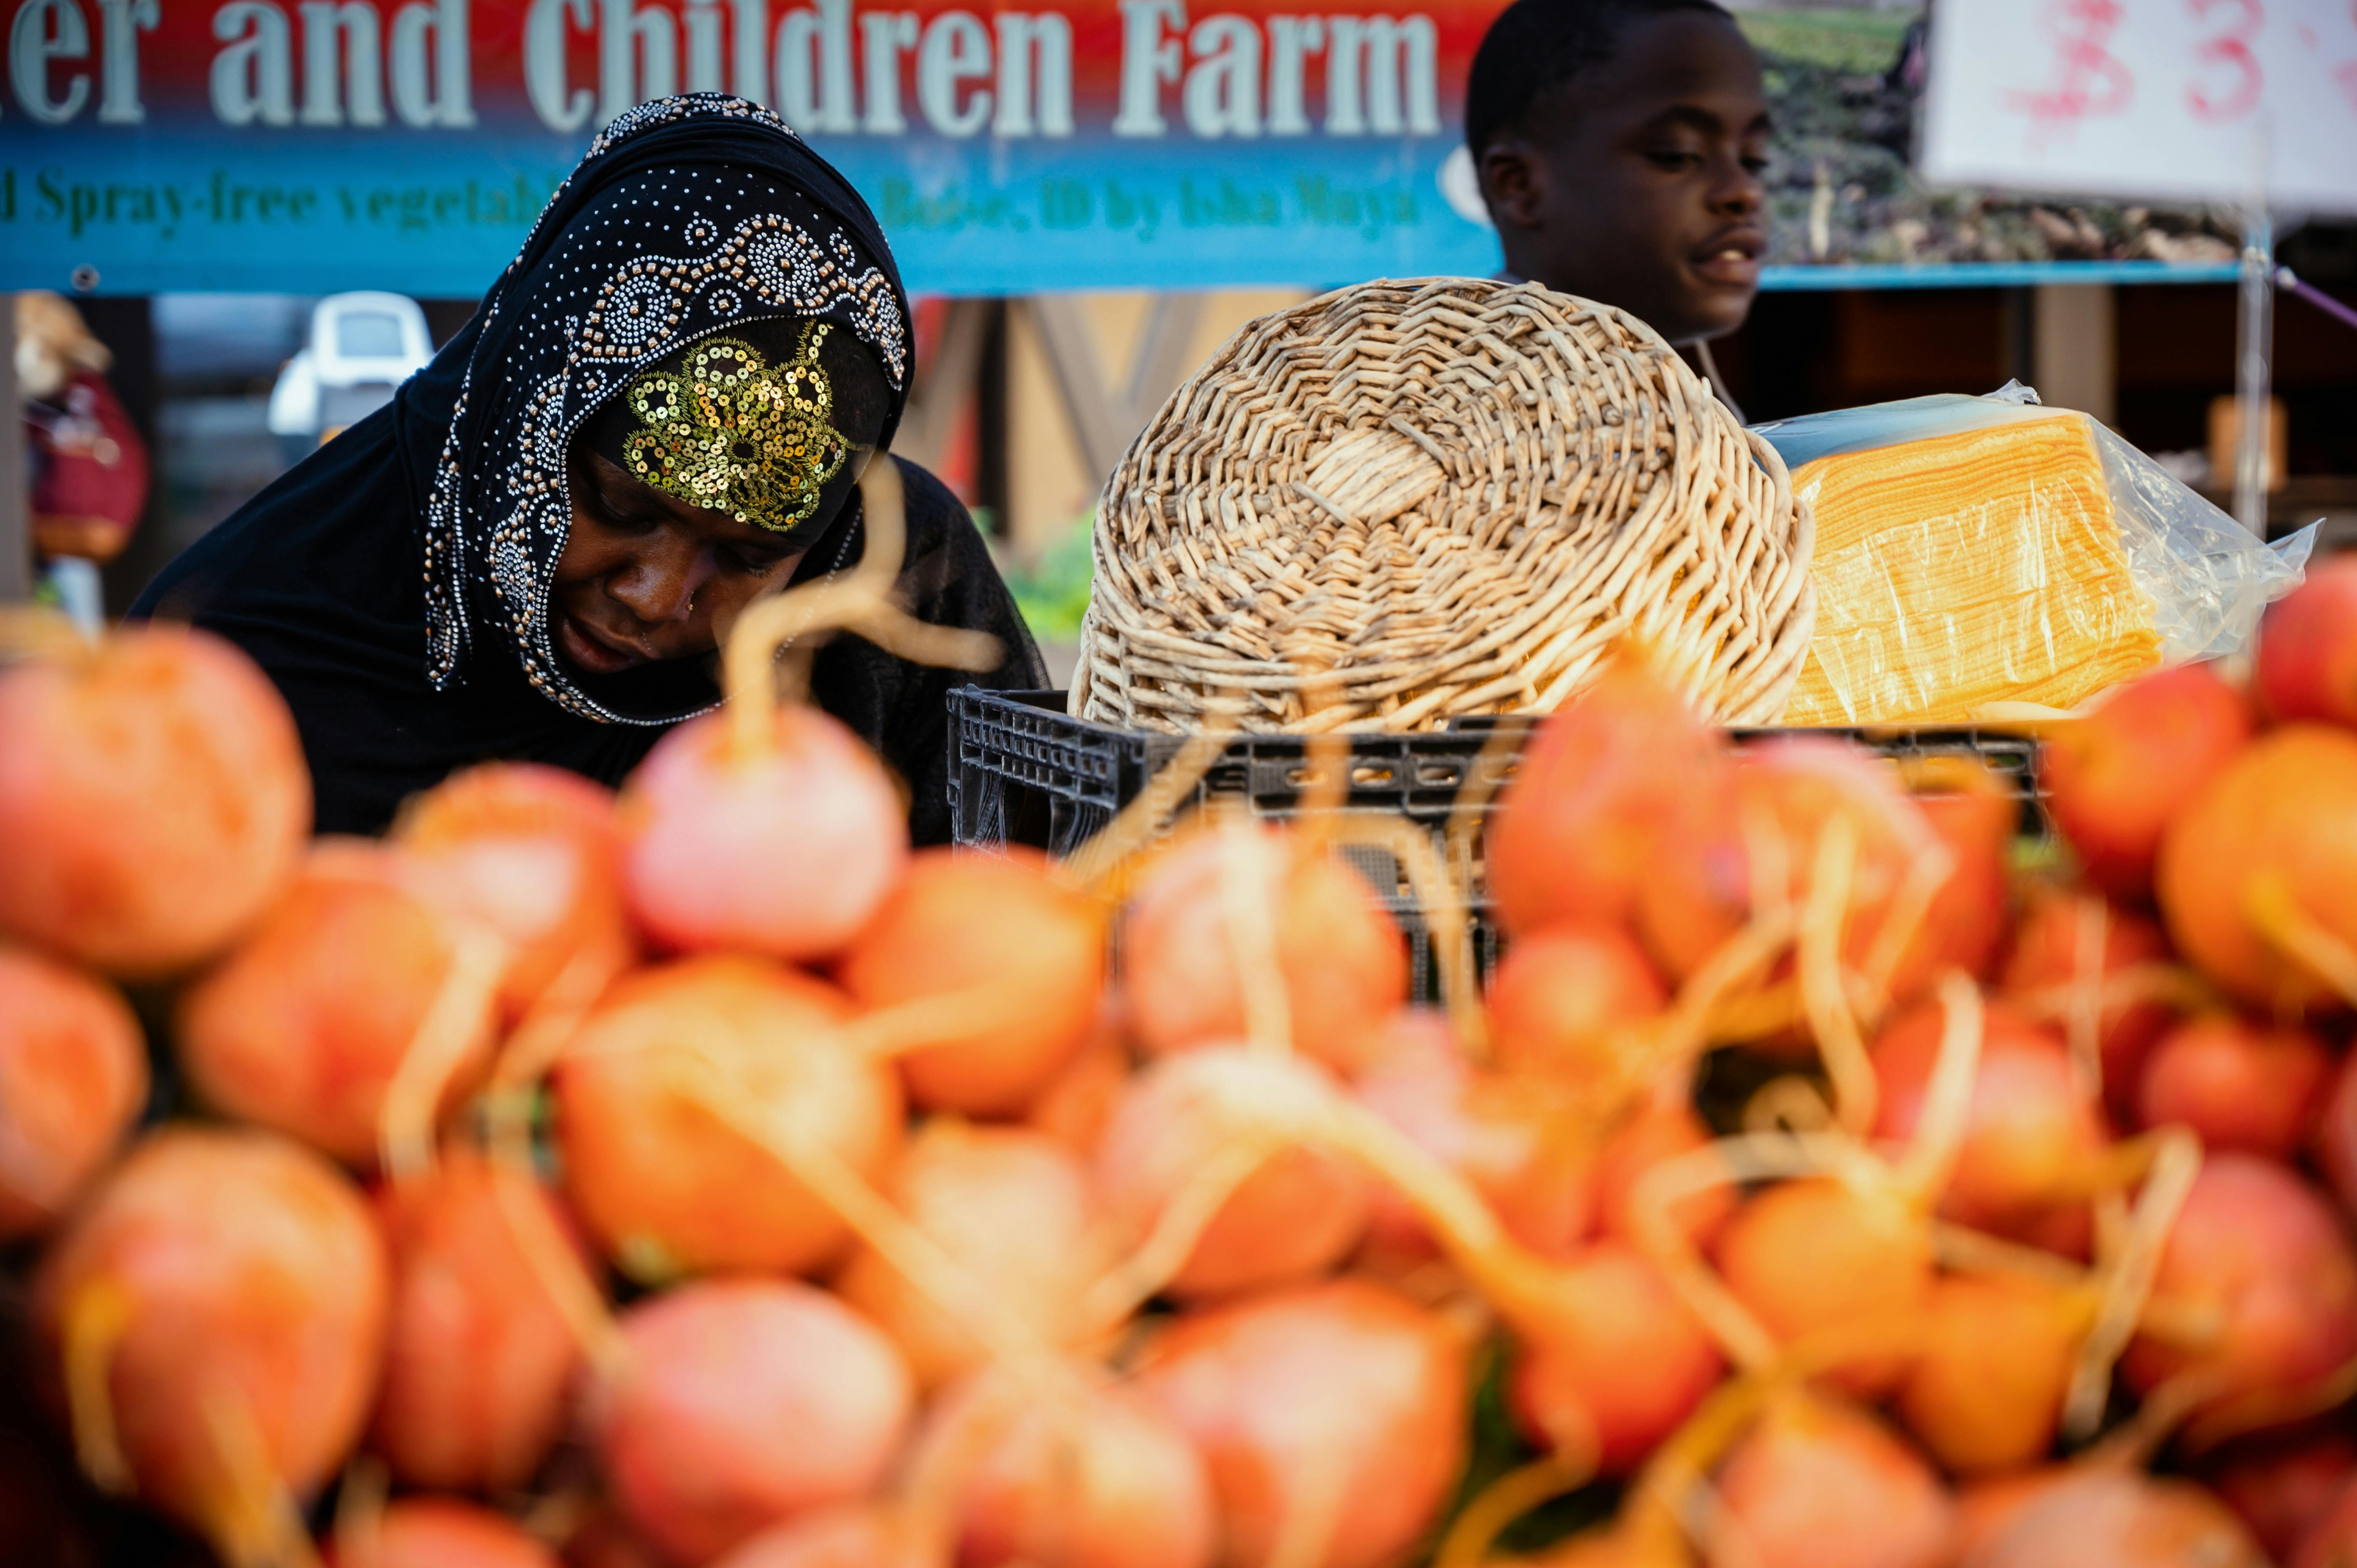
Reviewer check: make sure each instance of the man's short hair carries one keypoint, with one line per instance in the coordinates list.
(1535, 44)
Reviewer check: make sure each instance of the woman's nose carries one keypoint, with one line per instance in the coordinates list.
(658, 584)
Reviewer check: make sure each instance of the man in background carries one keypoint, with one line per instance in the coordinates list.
(1619, 145)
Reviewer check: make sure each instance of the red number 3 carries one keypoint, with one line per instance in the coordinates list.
(2229, 52)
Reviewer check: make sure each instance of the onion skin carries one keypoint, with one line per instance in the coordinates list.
(2028, 1133)
(153, 801)
(2281, 1488)
(2046, 956)
(1986, 1396)
(263, 1254)
(73, 1074)
(1342, 960)
(2239, 1085)
(2120, 1520)
(479, 1359)
(1814, 1256)
(2336, 1135)
(1599, 783)
(1562, 997)
(1819, 1484)
(1296, 1215)
(2115, 779)
(1340, 1389)
(1091, 1477)
(1075, 1105)
(441, 1533)
(1698, 894)
(662, 1183)
(786, 852)
(1015, 1211)
(2282, 816)
(1659, 1129)
(2331, 1541)
(604, 1540)
(533, 854)
(1986, 1506)
(2259, 1246)
(1523, 1143)
(2306, 664)
(1969, 916)
(849, 1535)
(961, 920)
(305, 1024)
(707, 1438)
(1631, 1369)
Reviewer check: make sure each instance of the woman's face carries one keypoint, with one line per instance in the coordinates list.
(645, 578)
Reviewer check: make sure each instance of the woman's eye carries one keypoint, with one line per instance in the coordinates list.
(1672, 161)
(615, 515)
(750, 566)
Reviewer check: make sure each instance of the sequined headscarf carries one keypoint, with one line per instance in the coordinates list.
(688, 218)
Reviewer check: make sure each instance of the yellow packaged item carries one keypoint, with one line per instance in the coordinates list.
(1973, 554)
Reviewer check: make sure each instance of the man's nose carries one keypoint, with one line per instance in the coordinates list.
(1736, 191)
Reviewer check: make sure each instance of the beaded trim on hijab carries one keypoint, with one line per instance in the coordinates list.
(729, 259)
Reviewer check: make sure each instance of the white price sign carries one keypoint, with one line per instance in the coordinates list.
(2199, 100)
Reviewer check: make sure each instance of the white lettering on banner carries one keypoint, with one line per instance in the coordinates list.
(1148, 60)
(560, 108)
(956, 51)
(1034, 50)
(1291, 41)
(814, 70)
(254, 78)
(1222, 94)
(883, 35)
(706, 31)
(638, 56)
(751, 20)
(120, 24)
(443, 96)
(46, 30)
(832, 68)
(1384, 65)
(353, 24)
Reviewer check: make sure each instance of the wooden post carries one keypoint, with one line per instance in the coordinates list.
(15, 518)
(2075, 357)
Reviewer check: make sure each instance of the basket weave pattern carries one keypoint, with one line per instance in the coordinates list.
(1405, 502)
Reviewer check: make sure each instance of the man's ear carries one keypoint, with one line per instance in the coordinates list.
(1514, 183)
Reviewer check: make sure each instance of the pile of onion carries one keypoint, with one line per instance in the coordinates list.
(152, 800)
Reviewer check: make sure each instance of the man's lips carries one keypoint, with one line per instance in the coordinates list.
(598, 654)
(1730, 258)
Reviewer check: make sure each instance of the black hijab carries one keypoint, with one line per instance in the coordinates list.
(395, 584)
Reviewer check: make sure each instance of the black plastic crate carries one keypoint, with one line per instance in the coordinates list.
(1023, 771)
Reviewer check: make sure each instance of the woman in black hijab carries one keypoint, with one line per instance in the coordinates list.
(658, 414)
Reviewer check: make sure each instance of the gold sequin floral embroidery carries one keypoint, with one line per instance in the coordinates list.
(731, 433)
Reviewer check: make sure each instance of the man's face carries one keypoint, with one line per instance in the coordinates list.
(1637, 182)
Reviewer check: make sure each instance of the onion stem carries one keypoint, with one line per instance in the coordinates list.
(2276, 915)
(456, 1023)
(860, 603)
(93, 1325)
(2175, 1160)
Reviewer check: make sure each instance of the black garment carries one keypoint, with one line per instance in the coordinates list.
(395, 583)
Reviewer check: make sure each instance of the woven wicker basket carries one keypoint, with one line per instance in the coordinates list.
(1411, 500)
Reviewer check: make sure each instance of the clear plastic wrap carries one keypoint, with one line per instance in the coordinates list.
(1977, 557)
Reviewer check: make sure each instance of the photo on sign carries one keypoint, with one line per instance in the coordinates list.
(1846, 85)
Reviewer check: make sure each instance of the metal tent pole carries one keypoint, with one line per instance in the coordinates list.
(16, 522)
